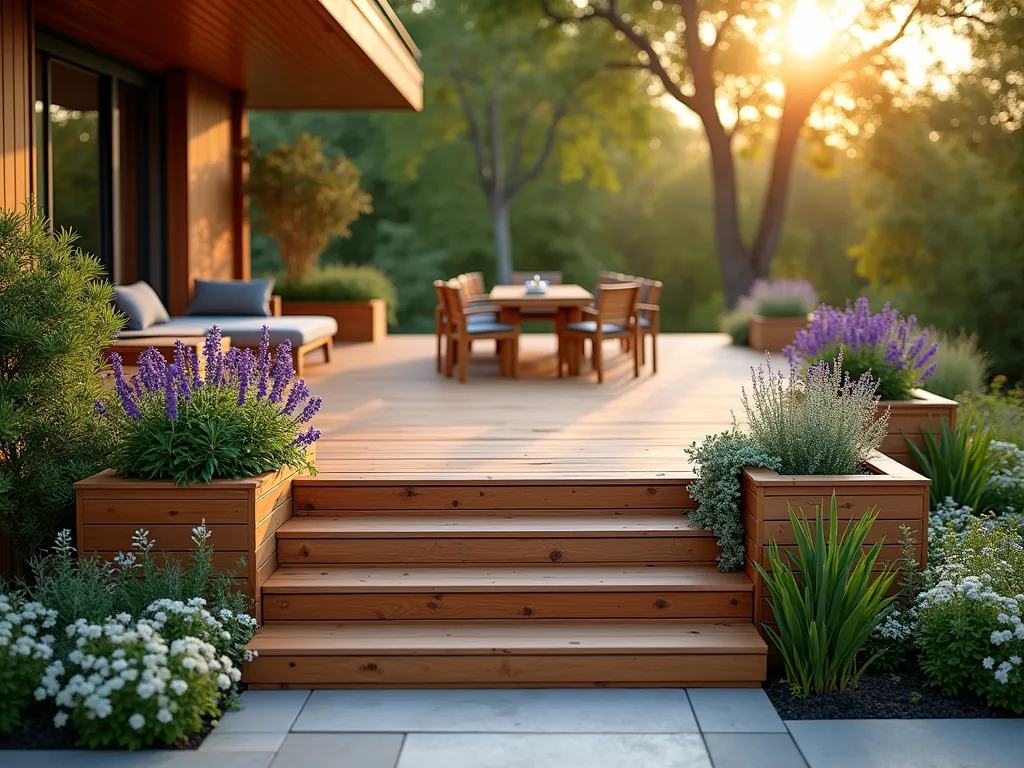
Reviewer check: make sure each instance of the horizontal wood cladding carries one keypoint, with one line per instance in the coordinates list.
(358, 321)
(910, 420)
(898, 494)
(772, 334)
(300, 54)
(17, 112)
(242, 516)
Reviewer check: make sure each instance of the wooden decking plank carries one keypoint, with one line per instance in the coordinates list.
(399, 526)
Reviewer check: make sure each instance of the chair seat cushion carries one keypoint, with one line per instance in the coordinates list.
(482, 317)
(245, 331)
(590, 326)
(475, 328)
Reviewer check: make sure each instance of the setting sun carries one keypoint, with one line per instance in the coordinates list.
(809, 29)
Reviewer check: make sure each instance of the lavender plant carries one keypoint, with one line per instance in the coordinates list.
(821, 422)
(237, 415)
(887, 345)
(783, 298)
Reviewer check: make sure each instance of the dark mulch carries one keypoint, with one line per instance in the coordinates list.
(901, 695)
(39, 733)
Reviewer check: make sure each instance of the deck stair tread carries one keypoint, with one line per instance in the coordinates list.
(509, 637)
(506, 526)
(321, 580)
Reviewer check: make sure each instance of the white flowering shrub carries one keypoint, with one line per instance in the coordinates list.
(25, 650)
(969, 633)
(128, 684)
(1007, 481)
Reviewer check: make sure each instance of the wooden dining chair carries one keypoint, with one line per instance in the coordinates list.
(480, 313)
(614, 317)
(649, 320)
(462, 330)
(473, 287)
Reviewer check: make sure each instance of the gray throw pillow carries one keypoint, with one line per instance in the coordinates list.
(243, 298)
(141, 305)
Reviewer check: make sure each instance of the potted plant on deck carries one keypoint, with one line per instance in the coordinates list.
(810, 435)
(216, 444)
(896, 353)
(778, 310)
(302, 198)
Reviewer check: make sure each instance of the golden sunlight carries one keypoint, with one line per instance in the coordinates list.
(810, 29)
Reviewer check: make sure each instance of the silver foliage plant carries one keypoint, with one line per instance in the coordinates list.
(816, 423)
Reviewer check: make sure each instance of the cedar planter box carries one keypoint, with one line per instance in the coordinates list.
(242, 515)
(899, 495)
(910, 419)
(771, 334)
(357, 320)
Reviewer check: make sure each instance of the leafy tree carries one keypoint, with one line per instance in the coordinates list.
(302, 198)
(519, 96)
(750, 70)
(56, 317)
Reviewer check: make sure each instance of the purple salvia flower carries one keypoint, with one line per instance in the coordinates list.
(170, 376)
(101, 409)
(312, 409)
(298, 393)
(213, 356)
(932, 350)
(152, 368)
(307, 438)
(193, 361)
(229, 373)
(263, 364)
(181, 358)
(246, 361)
(282, 371)
(131, 408)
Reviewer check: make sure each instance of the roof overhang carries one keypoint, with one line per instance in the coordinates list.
(299, 54)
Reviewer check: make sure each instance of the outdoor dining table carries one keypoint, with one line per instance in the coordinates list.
(568, 302)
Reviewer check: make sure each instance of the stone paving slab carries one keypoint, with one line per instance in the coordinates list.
(753, 750)
(735, 710)
(264, 712)
(165, 758)
(340, 750)
(479, 750)
(219, 741)
(965, 743)
(650, 710)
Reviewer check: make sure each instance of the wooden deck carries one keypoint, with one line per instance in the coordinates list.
(387, 414)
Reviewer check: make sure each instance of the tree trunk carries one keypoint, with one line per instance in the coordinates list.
(734, 260)
(499, 207)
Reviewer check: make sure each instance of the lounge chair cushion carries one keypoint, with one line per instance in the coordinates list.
(590, 326)
(140, 304)
(242, 298)
(245, 331)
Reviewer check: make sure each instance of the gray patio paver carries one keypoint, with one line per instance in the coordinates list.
(264, 712)
(649, 710)
(243, 742)
(910, 743)
(167, 758)
(747, 750)
(451, 750)
(339, 750)
(735, 710)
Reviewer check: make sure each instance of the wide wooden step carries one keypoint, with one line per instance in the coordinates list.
(494, 539)
(537, 592)
(494, 654)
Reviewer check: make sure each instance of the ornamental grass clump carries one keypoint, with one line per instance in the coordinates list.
(783, 298)
(886, 345)
(26, 645)
(237, 415)
(826, 600)
(819, 423)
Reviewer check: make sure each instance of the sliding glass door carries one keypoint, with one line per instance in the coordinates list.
(100, 158)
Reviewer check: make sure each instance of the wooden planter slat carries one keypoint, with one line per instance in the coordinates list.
(242, 515)
(772, 334)
(357, 320)
(899, 495)
(911, 419)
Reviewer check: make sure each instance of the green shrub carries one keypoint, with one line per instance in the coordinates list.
(1001, 408)
(720, 459)
(341, 284)
(239, 420)
(782, 306)
(962, 366)
(826, 601)
(895, 381)
(969, 634)
(737, 324)
(960, 464)
(56, 317)
(1006, 484)
(26, 646)
(816, 424)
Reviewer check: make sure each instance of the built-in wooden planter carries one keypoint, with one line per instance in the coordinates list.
(242, 515)
(357, 320)
(911, 419)
(899, 495)
(772, 334)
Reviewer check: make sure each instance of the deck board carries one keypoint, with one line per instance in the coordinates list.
(388, 416)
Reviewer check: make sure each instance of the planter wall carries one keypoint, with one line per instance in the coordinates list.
(242, 515)
(899, 494)
(910, 419)
(357, 320)
(771, 334)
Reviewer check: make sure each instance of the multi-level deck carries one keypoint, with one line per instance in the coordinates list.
(507, 533)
